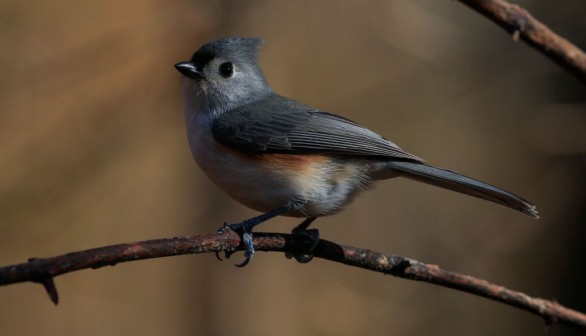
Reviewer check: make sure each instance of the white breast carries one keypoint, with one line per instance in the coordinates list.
(312, 185)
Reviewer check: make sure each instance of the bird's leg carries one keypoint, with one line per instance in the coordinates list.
(245, 229)
(301, 229)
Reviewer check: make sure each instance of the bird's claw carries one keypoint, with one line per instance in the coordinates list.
(244, 229)
(246, 236)
(249, 252)
(227, 254)
(305, 258)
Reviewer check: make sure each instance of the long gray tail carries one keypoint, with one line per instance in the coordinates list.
(460, 183)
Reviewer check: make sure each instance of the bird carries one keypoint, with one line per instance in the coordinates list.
(284, 158)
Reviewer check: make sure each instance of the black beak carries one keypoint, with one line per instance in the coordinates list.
(189, 69)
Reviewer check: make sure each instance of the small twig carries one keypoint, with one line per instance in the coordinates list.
(45, 269)
(518, 22)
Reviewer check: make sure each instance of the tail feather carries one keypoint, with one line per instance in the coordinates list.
(460, 183)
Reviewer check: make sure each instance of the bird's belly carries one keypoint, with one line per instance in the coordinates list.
(311, 185)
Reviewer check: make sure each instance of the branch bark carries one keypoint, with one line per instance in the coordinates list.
(44, 270)
(518, 22)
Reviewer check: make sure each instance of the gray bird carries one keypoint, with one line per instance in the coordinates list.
(281, 157)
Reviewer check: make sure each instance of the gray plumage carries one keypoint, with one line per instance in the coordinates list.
(275, 124)
(240, 112)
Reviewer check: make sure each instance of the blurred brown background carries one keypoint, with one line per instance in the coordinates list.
(93, 152)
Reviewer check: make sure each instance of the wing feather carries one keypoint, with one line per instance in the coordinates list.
(280, 125)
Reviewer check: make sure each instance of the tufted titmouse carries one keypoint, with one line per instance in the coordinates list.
(281, 157)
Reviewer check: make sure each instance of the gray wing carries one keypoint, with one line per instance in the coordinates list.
(280, 125)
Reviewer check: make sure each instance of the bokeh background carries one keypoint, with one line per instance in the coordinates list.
(93, 152)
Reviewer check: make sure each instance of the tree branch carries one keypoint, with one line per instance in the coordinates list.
(44, 270)
(517, 21)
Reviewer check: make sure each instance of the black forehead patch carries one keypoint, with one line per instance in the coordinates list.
(201, 58)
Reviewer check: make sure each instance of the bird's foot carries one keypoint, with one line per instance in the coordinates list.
(301, 229)
(245, 231)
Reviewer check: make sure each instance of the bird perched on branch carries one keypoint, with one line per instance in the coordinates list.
(281, 157)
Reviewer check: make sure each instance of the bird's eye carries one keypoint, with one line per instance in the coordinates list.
(226, 69)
